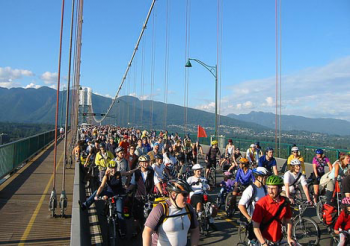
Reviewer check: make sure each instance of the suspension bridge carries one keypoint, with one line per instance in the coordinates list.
(39, 197)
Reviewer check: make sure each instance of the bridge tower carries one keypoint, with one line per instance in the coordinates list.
(85, 105)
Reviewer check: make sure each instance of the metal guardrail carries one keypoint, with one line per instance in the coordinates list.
(15, 153)
(308, 152)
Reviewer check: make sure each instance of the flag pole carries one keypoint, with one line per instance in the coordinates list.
(197, 144)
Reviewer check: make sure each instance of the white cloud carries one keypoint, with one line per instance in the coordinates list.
(109, 96)
(32, 85)
(312, 92)
(49, 78)
(207, 107)
(8, 76)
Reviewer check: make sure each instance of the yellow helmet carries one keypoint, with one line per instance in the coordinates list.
(111, 164)
(243, 160)
(214, 142)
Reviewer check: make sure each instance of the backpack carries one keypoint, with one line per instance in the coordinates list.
(166, 215)
(254, 194)
(329, 214)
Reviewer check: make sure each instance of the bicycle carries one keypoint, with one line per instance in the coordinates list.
(305, 230)
(334, 241)
(212, 176)
(112, 218)
(204, 219)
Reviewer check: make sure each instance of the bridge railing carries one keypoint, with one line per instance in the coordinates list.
(308, 152)
(15, 153)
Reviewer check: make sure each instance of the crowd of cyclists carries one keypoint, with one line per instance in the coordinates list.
(138, 166)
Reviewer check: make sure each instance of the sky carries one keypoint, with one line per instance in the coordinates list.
(314, 52)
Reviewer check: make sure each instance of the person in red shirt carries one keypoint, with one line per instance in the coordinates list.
(125, 144)
(268, 226)
(343, 221)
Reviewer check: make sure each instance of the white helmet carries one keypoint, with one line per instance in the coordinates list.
(295, 161)
(196, 167)
(261, 171)
(295, 148)
(252, 146)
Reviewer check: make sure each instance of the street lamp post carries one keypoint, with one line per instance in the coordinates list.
(213, 70)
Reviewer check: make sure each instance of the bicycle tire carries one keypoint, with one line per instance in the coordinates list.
(319, 210)
(243, 234)
(228, 208)
(333, 241)
(306, 231)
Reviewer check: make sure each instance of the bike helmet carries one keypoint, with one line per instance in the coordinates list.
(319, 151)
(252, 146)
(257, 144)
(197, 167)
(260, 171)
(102, 146)
(144, 158)
(158, 156)
(269, 149)
(179, 186)
(346, 201)
(243, 160)
(230, 140)
(295, 149)
(111, 164)
(214, 142)
(228, 174)
(119, 149)
(295, 161)
(274, 180)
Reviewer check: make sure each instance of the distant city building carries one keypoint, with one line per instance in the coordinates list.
(4, 138)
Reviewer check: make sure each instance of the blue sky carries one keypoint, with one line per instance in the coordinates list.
(315, 51)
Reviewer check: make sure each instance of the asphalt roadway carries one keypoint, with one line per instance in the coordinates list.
(227, 233)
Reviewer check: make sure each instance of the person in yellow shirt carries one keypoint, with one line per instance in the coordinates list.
(103, 157)
(296, 154)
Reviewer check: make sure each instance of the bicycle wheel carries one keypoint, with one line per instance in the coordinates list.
(306, 231)
(112, 232)
(228, 207)
(243, 234)
(319, 209)
(213, 173)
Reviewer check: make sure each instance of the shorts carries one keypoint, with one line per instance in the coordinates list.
(211, 163)
(195, 199)
(317, 182)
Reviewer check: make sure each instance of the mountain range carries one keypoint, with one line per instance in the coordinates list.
(39, 105)
(300, 123)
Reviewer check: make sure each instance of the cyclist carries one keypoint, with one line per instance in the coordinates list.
(113, 180)
(213, 152)
(258, 148)
(187, 143)
(124, 144)
(122, 163)
(252, 154)
(172, 228)
(292, 178)
(343, 221)
(270, 212)
(319, 162)
(250, 196)
(244, 177)
(198, 183)
(296, 154)
(61, 132)
(111, 145)
(268, 161)
(103, 157)
(235, 159)
(226, 185)
(339, 169)
(230, 149)
(159, 168)
(143, 181)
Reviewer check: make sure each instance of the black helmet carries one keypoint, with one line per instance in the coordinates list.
(179, 186)
(119, 149)
(158, 156)
(102, 146)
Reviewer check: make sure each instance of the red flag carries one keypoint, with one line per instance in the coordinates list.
(201, 132)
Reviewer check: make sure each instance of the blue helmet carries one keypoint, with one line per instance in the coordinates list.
(319, 151)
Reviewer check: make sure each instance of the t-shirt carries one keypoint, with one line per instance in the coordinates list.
(247, 195)
(173, 231)
(268, 164)
(197, 187)
(264, 210)
(320, 164)
(158, 172)
(289, 178)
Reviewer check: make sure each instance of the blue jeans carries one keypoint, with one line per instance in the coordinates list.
(119, 204)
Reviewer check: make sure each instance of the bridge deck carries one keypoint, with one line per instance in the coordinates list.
(24, 199)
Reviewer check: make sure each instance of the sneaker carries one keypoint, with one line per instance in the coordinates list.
(82, 205)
